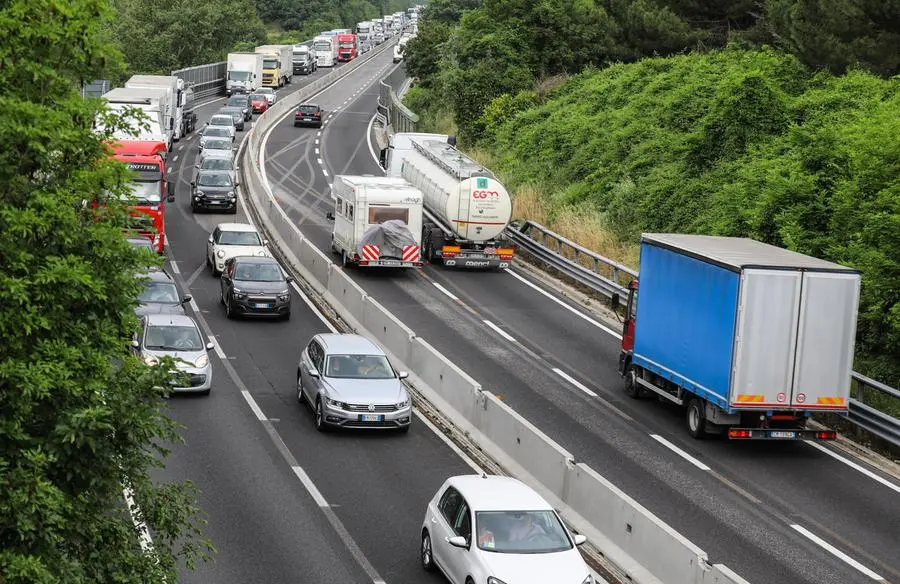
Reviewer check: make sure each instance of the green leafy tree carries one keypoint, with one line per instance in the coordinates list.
(423, 53)
(79, 415)
(449, 11)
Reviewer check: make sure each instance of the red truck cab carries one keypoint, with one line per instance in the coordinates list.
(150, 185)
(346, 47)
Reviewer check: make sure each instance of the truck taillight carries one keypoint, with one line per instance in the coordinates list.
(734, 433)
(826, 435)
(449, 251)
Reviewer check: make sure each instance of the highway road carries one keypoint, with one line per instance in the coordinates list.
(285, 503)
(773, 512)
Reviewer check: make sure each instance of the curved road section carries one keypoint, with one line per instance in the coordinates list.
(773, 512)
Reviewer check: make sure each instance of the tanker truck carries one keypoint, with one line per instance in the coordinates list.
(466, 209)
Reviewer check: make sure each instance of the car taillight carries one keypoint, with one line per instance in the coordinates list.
(733, 433)
(318, 115)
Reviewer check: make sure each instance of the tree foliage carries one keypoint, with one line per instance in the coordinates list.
(306, 18)
(741, 143)
(159, 37)
(79, 415)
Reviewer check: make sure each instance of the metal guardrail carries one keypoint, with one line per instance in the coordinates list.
(603, 275)
(397, 115)
(206, 79)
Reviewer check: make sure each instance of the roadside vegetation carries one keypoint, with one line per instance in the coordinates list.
(80, 416)
(730, 118)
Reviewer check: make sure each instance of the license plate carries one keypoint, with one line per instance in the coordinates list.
(370, 418)
(475, 256)
(390, 263)
(262, 305)
(782, 434)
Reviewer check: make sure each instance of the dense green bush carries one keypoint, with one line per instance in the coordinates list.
(744, 143)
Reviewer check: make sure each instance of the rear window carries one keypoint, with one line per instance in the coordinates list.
(378, 215)
(221, 121)
(308, 109)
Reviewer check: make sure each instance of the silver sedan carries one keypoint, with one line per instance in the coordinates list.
(348, 382)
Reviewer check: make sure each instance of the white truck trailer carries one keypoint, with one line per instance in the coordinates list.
(326, 48)
(179, 109)
(377, 222)
(243, 73)
(154, 103)
(278, 64)
(466, 208)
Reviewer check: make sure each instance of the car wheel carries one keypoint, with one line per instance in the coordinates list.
(321, 426)
(205, 392)
(425, 552)
(300, 397)
(405, 429)
(286, 315)
(234, 210)
(229, 311)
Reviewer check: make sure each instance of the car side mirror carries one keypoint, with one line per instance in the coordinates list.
(402, 374)
(265, 242)
(135, 344)
(193, 184)
(210, 238)
(314, 373)
(458, 541)
(196, 166)
(234, 149)
(580, 539)
(186, 298)
(329, 215)
(210, 346)
(237, 183)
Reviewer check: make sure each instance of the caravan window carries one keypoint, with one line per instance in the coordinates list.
(350, 213)
(378, 215)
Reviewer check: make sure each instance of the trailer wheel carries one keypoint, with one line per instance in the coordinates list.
(696, 418)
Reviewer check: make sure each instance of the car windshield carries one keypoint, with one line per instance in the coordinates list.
(239, 75)
(221, 120)
(145, 191)
(214, 179)
(521, 532)
(239, 238)
(266, 91)
(257, 97)
(238, 101)
(159, 292)
(359, 367)
(258, 272)
(141, 243)
(218, 145)
(217, 131)
(173, 338)
(214, 163)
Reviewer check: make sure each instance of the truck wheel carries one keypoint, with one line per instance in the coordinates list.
(631, 385)
(696, 418)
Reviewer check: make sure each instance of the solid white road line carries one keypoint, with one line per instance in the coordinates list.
(371, 147)
(836, 552)
(501, 332)
(174, 265)
(445, 291)
(144, 538)
(253, 406)
(194, 306)
(319, 160)
(574, 382)
(564, 305)
(679, 452)
(310, 486)
(855, 466)
(314, 308)
(217, 347)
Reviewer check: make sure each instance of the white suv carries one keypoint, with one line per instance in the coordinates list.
(230, 240)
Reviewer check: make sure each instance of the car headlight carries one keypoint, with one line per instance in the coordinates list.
(203, 361)
(231, 195)
(220, 253)
(334, 403)
(403, 404)
(284, 296)
(238, 294)
(492, 580)
(150, 360)
(200, 194)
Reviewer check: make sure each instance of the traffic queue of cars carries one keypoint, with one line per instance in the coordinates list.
(476, 528)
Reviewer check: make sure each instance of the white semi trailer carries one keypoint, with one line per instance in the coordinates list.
(180, 100)
(466, 208)
(154, 103)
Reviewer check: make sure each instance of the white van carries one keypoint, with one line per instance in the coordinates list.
(377, 222)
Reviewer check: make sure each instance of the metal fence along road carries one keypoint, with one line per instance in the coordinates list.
(396, 115)
(206, 79)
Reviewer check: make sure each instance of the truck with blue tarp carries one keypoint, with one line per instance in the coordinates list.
(751, 339)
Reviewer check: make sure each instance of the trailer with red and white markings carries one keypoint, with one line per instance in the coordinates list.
(377, 222)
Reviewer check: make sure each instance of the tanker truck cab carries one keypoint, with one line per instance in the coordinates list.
(377, 222)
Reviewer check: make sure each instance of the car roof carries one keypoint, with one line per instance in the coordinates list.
(213, 171)
(214, 116)
(245, 227)
(498, 493)
(349, 344)
(256, 259)
(220, 154)
(157, 276)
(230, 109)
(308, 105)
(164, 319)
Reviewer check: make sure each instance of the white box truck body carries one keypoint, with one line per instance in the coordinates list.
(278, 64)
(153, 102)
(243, 73)
(377, 222)
(174, 87)
(326, 48)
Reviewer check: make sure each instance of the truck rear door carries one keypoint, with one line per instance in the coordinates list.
(825, 340)
(765, 342)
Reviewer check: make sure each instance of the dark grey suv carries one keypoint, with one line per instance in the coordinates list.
(214, 189)
(241, 100)
(255, 286)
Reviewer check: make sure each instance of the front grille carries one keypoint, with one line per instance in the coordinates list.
(261, 299)
(365, 408)
(358, 424)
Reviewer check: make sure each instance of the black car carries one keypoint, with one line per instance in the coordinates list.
(160, 295)
(241, 100)
(309, 114)
(237, 114)
(214, 189)
(255, 286)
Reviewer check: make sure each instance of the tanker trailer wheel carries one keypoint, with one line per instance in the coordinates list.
(696, 418)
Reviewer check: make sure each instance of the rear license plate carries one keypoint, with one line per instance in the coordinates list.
(371, 418)
(475, 256)
(262, 305)
(390, 263)
(782, 434)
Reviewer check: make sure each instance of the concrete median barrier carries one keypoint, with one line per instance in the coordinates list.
(317, 263)
(445, 380)
(347, 294)
(392, 334)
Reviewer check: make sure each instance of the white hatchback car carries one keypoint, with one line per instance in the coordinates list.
(223, 121)
(230, 240)
(497, 530)
(271, 94)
